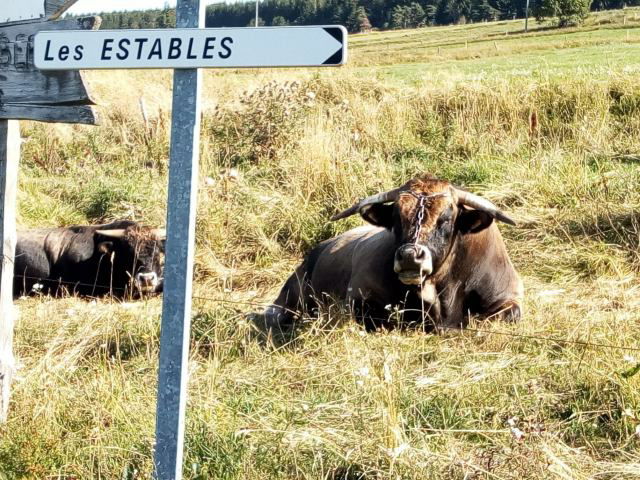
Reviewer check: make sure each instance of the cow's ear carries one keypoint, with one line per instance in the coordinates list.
(473, 221)
(378, 214)
(105, 247)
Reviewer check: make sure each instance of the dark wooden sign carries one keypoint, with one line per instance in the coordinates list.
(27, 93)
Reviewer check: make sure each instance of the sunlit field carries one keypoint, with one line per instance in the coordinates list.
(545, 124)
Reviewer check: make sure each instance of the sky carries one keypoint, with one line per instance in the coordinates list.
(94, 6)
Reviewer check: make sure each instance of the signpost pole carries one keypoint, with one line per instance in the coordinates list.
(257, 17)
(9, 156)
(176, 306)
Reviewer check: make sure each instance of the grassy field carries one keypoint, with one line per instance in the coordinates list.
(281, 152)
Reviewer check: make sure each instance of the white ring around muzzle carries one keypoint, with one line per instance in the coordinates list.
(412, 263)
(147, 282)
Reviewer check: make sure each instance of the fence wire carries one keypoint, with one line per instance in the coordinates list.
(522, 336)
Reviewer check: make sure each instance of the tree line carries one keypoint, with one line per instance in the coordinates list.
(362, 15)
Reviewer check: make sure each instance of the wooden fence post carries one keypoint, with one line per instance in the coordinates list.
(9, 157)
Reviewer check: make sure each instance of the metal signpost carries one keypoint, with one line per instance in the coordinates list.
(28, 93)
(185, 49)
(181, 222)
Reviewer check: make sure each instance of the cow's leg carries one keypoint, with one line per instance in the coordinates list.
(509, 311)
(507, 304)
(454, 308)
(293, 299)
(421, 309)
(371, 315)
(453, 318)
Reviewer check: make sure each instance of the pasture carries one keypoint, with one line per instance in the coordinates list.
(545, 124)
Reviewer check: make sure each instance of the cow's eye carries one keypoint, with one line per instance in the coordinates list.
(443, 221)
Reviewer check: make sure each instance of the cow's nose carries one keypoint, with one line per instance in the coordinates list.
(413, 258)
(147, 281)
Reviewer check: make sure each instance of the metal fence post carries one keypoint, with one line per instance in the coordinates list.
(176, 306)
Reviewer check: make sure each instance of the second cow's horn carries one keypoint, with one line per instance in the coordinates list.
(385, 197)
(479, 203)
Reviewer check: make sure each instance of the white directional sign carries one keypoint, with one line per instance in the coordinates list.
(192, 48)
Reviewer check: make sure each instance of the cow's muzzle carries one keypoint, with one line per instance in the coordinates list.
(412, 263)
(147, 282)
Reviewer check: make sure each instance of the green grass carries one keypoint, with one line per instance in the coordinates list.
(493, 50)
(598, 59)
(278, 159)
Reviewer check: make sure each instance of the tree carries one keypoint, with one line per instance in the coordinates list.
(431, 11)
(252, 22)
(357, 21)
(357, 15)
(361, 21)
(417, 17)
(481, 10)
(567, 12)
(279, 21)
(453, 11)
(409, 16)
(398, 17)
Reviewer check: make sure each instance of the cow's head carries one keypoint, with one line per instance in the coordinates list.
(425, 215)
(136, 252)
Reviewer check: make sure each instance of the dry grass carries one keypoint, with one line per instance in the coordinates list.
(331, 402)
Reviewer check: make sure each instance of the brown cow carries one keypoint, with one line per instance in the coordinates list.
(433, 253)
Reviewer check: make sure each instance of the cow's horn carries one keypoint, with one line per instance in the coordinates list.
(385, 197)
(159, 233)
(115, 233)
(479, 203)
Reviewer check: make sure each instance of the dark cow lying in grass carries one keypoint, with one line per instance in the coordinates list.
(121, 258)
(434, 255)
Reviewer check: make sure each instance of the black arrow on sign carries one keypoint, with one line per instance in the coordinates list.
(337, 57)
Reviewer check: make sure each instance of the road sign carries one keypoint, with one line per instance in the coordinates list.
(192, 48)
(31, 94)
(245, 47)
(27, 93)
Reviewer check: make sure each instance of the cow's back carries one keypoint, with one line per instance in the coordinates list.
(333, 265)
(49, 256)
(31, 262)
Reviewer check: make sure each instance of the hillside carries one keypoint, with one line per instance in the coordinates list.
(355, 15)
(553, 396)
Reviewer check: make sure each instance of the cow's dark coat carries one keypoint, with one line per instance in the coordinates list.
(119, 258)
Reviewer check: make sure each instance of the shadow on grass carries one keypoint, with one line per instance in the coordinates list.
(619, 229)
(350, 472)
(595, 161)
(270, 334)
(290, 335)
